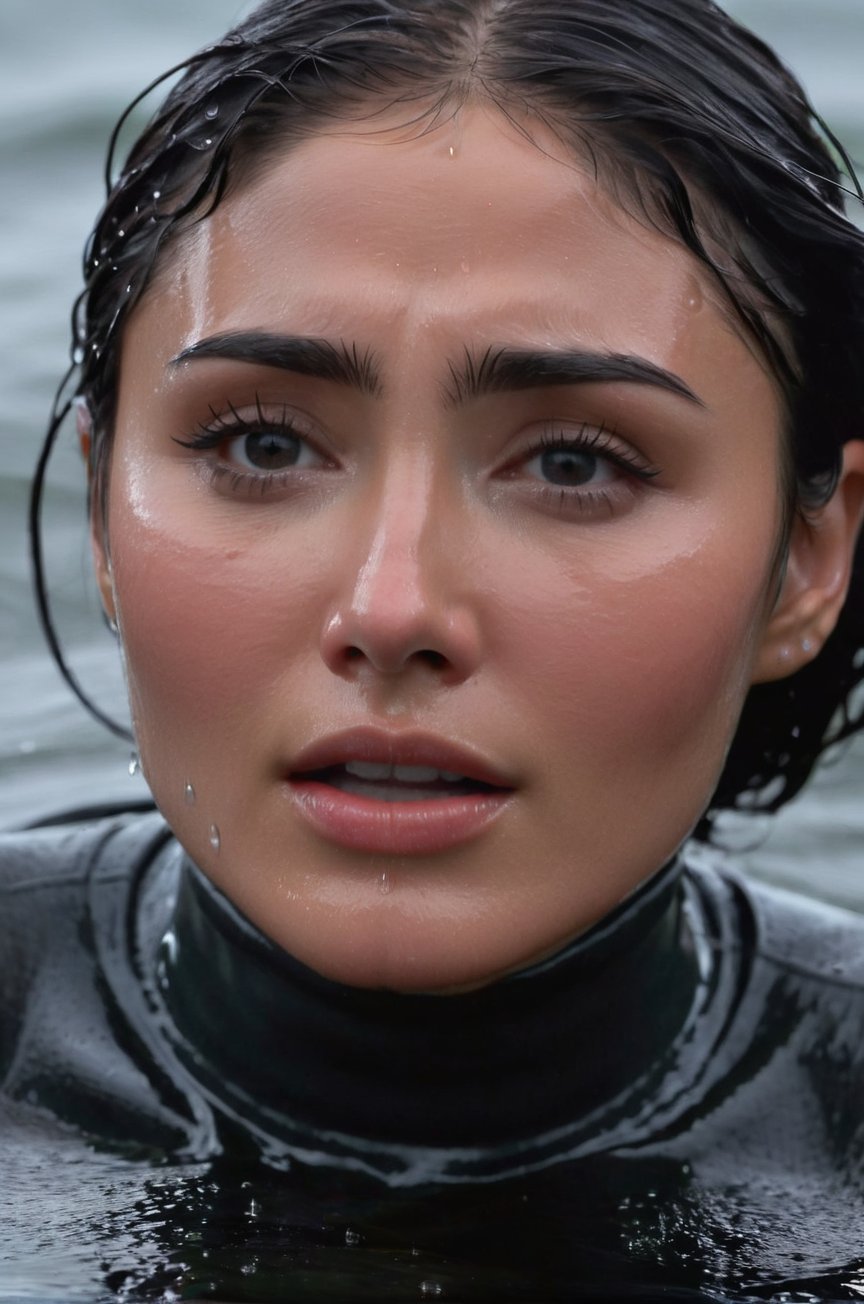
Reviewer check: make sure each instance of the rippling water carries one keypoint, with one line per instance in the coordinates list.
(67, 71)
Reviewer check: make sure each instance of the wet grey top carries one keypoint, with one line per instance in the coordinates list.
(673, 1104)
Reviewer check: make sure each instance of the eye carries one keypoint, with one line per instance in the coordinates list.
(569, 465)
(270, 450)
(256, 452)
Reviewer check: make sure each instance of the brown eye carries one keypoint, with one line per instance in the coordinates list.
(271, 451)
(268, 450)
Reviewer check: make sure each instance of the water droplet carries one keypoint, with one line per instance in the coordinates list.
(254, 1208)
(352, 1237)
(157, 194)
(78, 355)
(189, 795)
(215, 837)
(384, 883)
(134, 765)
(212, 111)
(452, 151)
(431, 1289)
(121, 234)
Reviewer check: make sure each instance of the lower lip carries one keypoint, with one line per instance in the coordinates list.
(396, 828)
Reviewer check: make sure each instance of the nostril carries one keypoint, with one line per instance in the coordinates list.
(435, 660)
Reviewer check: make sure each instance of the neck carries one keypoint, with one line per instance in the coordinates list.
(491, 1067)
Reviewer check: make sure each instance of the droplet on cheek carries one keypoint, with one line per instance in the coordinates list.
(189, 795)
(215, 837)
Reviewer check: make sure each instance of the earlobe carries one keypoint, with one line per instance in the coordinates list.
(819, 566)
(103, 572)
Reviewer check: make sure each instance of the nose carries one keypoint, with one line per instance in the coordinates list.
(404, 603)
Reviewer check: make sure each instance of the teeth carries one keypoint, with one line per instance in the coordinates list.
(368, 770)
(375, 771)
(415, 773)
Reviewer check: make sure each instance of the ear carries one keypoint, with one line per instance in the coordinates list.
(821, 552)
(98, 544)
(102, 569)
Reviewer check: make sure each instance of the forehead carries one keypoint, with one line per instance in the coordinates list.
(470, 196)
(480, 229)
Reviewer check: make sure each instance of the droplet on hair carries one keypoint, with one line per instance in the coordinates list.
(212, 111)
(78, 355)
(215, 838)
(157, 194)
(189, 795)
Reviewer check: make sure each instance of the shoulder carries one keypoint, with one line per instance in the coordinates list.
(787, 931)
(808, 937)
(66, 852)
(58, 881)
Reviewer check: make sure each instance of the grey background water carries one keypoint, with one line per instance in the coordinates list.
(67, 70)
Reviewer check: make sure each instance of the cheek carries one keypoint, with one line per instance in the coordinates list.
(641, 675)
(210, 633)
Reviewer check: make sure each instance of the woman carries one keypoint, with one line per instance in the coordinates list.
(470, 401)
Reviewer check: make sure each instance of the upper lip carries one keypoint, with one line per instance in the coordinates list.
(387, 747)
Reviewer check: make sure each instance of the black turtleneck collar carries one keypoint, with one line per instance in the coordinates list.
(590, 1029)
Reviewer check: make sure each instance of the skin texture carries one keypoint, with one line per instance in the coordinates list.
(417, 572)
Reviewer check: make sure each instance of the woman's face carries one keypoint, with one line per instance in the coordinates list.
(430, 457)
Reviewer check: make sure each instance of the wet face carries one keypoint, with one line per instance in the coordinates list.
(442, 513)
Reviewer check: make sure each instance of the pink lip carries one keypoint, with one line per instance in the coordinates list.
(401, 827)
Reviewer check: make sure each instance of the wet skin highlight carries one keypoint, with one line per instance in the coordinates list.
(420, 570)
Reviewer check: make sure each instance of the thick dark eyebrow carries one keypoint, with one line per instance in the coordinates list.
(304, 354)
(498, 370)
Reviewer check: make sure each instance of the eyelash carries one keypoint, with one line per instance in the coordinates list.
(592, 439)
(235, 426)
(563, 500)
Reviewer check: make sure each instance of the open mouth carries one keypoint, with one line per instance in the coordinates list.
(396, 794)
(379, 781)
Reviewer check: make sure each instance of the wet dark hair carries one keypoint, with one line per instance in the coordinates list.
(689, 118)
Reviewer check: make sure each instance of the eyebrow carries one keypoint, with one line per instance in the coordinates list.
(495, 371)
(303, 354)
